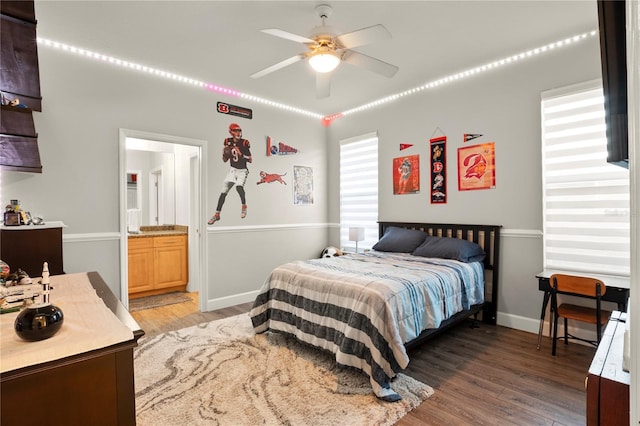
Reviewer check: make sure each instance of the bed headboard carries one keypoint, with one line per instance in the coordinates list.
(486, 236)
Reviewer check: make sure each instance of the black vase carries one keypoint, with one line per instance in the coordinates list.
(38, 322)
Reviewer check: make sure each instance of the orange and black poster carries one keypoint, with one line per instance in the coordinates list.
(438, 170)
(476, 167)
(406, 175)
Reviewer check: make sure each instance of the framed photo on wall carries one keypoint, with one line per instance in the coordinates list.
(406, 175)
(476, 167)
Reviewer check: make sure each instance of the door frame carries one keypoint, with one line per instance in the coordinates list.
(199, 244)
(156, 195)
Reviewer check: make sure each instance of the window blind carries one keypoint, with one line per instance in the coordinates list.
(359, 190)
(586, 201)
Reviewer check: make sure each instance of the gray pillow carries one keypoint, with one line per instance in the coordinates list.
(400, 240)
(451, 248)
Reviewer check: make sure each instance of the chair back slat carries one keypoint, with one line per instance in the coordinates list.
(586, 286)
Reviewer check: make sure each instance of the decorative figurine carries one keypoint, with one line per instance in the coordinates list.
(42, 320)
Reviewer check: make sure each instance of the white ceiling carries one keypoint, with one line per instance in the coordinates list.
(220, 42)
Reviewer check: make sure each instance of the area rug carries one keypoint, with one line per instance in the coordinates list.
(221, 373)
(158, 300)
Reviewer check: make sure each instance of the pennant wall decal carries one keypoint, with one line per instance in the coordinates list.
(404, 146)
(470, 136)
(280, 149)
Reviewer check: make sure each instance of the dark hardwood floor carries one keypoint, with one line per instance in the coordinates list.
(490, 375)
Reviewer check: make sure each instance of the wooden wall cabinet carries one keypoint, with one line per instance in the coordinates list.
(19, 78)
(20, 75)
(157, 265)
(19, 140)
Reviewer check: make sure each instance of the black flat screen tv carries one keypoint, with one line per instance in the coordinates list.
(613, 55)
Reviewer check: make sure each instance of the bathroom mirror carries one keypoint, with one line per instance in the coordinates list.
(150, 183)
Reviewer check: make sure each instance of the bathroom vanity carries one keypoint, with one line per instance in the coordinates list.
(158, 260)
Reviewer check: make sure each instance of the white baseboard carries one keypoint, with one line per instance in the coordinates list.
(533, 325)
(518, 322)
(227, 301)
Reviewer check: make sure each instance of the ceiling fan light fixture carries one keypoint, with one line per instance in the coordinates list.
(324, 62)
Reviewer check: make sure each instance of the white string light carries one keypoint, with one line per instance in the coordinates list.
(171, 76)
(467, 73)
(328, 118)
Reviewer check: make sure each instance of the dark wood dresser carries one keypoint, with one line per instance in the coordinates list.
(28, 246)
(607, 382)
(90, 388)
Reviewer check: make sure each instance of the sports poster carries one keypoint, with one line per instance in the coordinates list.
(406, 175)
(302, 185)
(476, 167)
(438, 155)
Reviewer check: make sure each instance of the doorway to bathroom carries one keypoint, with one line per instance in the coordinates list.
(170, 198)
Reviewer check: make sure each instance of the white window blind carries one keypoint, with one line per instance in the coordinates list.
(586, 201)
(359, 190)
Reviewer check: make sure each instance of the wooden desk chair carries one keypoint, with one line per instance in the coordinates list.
(582, 286)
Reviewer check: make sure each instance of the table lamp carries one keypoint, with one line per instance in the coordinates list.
(356, 234)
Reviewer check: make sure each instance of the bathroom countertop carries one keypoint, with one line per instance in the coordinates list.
(159, 231)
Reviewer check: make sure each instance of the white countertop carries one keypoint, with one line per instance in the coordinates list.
(48, 224)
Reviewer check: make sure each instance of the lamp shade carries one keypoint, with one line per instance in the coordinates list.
(324, 62)
(356, 234)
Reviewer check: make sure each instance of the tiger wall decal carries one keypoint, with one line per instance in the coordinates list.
(270, 177)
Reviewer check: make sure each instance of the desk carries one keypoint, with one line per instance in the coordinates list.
(617, 291)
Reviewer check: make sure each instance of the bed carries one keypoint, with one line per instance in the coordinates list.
(369, 308)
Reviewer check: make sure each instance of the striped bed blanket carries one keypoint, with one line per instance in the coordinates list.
(364, 307)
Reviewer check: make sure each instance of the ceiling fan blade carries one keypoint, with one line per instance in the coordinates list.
(279, 65)
(287, 35)
(363, 36)
(323, 84)
(369, 63)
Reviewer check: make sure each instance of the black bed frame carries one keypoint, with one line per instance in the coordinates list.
(488, 237)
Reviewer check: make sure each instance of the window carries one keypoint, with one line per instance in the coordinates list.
(359, 190)
(586, 201)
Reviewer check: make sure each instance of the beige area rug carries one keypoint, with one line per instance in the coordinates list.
(158, 300)
(221, 373)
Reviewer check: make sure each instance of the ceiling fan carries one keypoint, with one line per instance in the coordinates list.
(327, 50)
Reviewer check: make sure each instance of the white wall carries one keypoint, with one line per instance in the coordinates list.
(503, 106)
(86, 102)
